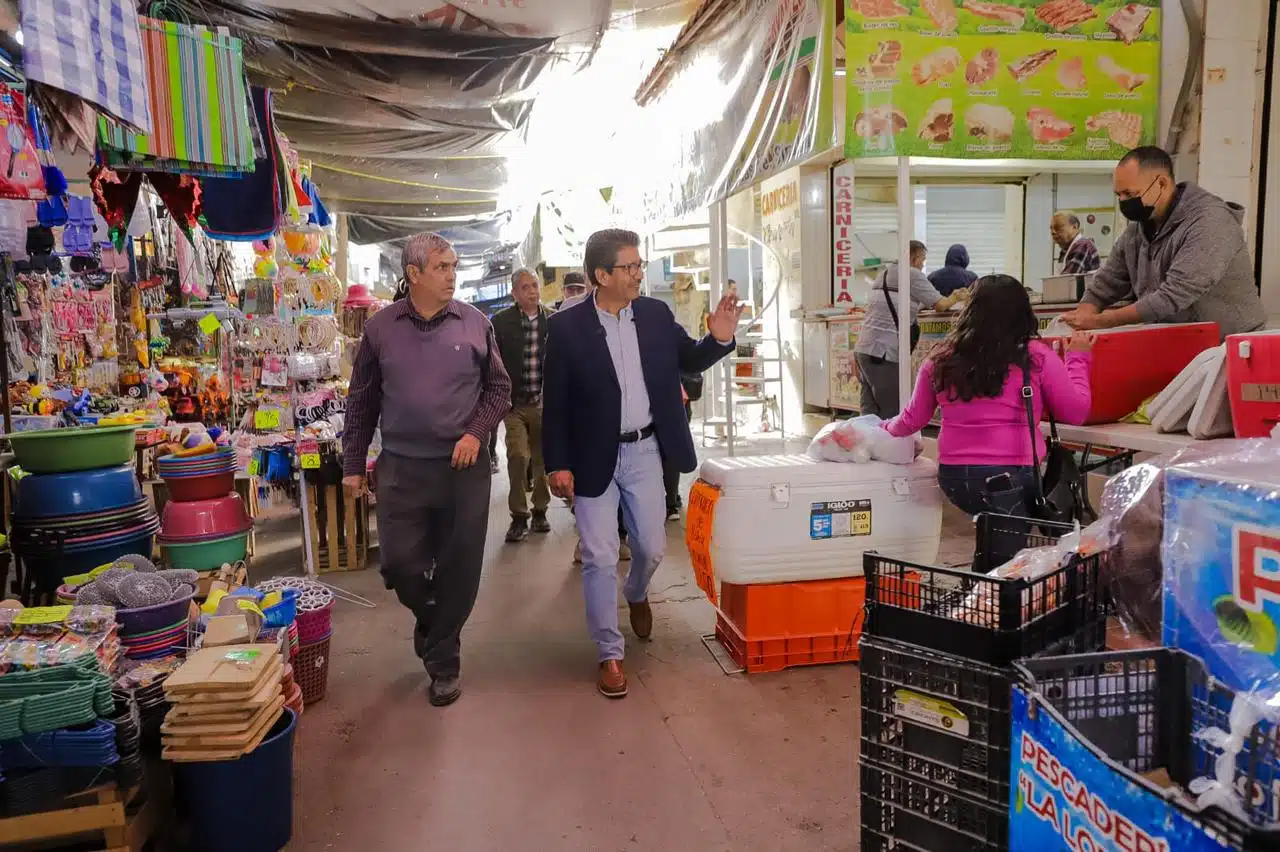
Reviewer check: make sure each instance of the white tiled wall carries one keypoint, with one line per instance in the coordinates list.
(1235, 37)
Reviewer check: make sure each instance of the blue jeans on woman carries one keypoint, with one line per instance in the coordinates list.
(992, 489)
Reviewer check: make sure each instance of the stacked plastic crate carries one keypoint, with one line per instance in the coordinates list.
(937, 649)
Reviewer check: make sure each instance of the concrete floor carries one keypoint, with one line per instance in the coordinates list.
(532, 758)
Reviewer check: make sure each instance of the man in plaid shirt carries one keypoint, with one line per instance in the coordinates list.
(521, 331)
(1079, 255)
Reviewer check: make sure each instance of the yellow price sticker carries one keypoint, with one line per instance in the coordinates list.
(210, 324)
(310, 461)
(266, 418)
(253, 467)
(77, 580)
(43, 615)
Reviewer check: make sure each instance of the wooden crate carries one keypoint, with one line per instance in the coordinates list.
(122, 822)
(340, 529)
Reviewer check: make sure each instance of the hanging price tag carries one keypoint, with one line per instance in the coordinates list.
(253, 467)
(310, 461)
(210, 324)
(266, 418)
(43, 615)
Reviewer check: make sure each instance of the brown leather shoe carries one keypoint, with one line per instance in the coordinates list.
(613, 681)
(641, 619)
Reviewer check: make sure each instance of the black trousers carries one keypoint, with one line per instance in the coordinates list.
(671, 473)
(428, 515)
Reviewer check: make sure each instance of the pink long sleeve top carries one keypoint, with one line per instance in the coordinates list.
(994, 430)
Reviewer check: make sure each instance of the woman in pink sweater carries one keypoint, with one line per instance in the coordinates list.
(975, 376)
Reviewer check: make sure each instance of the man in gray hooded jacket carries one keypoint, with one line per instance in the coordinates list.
(1181, 259)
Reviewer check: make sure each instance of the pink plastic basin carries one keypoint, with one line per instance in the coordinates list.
(200, 519)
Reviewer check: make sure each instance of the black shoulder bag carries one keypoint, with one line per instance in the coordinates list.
(1059, 492)
(893, 311)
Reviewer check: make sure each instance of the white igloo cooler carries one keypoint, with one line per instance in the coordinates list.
(781, 519)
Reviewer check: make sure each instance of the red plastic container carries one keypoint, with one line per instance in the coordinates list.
(198, 520)
(1253, 380)
(1132, 364)
(187, 489)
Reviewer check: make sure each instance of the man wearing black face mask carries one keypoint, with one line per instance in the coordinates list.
(1181, 259)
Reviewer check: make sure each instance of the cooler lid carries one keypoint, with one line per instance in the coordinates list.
(763, 471)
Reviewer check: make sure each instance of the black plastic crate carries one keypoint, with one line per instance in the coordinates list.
(899, 812)
(1138, 711)
(986, 619)
(937, 718)
(966, 751)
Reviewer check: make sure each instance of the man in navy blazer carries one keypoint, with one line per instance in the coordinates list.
(611, 409)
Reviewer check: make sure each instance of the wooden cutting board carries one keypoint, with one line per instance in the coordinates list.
(230, 702)
(185, 754)
(182, 733)
(195, 714)
(233, 668)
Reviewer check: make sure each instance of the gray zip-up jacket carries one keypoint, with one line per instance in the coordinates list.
(1195, 269)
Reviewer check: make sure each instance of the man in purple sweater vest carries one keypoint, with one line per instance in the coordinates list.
(429, 368)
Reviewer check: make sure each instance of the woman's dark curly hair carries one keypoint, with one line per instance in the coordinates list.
(990, 336)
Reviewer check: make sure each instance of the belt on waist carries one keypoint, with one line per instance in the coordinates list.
(634, 436)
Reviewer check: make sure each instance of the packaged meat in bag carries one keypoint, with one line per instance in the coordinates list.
(861, 440)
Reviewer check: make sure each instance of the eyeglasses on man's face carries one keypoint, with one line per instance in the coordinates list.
(636, 268)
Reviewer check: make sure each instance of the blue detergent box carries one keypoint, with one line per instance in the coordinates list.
(1221, 555)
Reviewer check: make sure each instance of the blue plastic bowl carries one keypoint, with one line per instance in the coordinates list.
(82, 492)
(48, 570)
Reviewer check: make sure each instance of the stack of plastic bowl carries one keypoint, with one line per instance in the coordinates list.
(154, 631)
(71, 521)
(203, 535)
(199, 477)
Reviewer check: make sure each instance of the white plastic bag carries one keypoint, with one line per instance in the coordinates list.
(861, 440)
(840, 442)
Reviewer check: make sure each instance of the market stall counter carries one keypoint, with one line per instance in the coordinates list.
(845, 390)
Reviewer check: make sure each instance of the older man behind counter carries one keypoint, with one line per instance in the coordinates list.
(1182, 258)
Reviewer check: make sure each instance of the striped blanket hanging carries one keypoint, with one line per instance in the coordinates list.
(199, 106)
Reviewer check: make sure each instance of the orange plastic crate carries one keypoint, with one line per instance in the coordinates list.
(808, 608)
(774, 655)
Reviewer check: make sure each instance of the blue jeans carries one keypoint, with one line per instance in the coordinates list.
(978, 489)
(637, 488)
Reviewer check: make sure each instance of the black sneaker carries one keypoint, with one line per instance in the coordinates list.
(540, 524)
(518, 531)
(444, 690)
(673, 513)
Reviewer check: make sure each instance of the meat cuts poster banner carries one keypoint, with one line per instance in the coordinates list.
(1026, 79)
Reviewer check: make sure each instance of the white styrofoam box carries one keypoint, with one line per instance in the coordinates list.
(781, 519)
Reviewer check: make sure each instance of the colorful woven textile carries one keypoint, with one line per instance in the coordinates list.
(92, 49)
(199, 106)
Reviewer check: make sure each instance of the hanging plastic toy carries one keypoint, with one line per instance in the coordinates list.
(264, 262)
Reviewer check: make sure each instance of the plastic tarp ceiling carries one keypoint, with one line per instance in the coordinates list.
(410, 81)
(309, 24)
(744, 92)
(357, 111)
(470, 239)
(532, 19)
(324, 137)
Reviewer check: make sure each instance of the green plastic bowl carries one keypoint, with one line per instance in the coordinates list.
(74, 448)
(207, 555)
